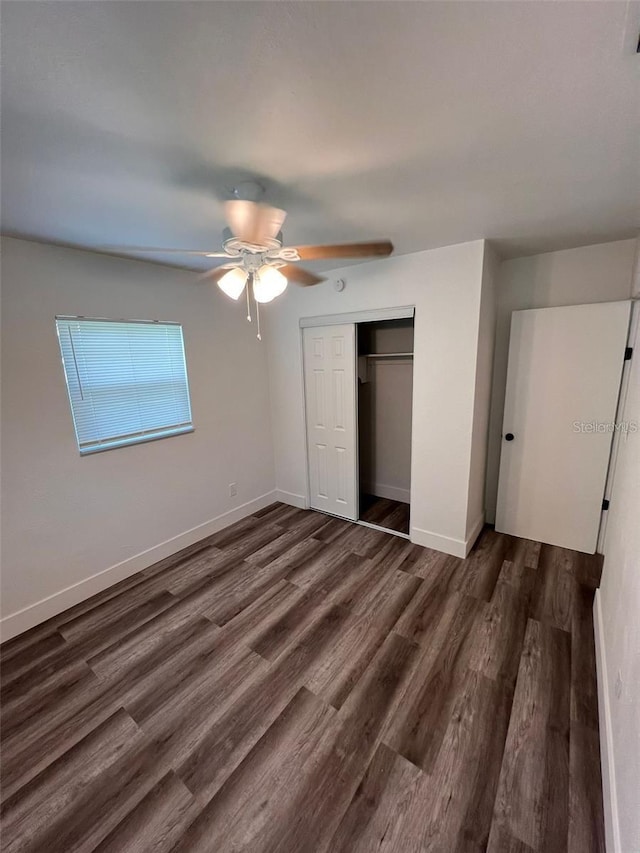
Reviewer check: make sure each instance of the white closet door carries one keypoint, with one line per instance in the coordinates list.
(563, 379)
(330, 394)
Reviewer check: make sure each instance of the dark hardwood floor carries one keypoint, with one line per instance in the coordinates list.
(299, 684)
(393, 515)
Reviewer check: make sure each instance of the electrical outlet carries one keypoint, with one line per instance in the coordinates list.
(233, 490)
(618, 687)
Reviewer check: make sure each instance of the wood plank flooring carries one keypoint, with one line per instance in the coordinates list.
(392, 515)
(300, 684)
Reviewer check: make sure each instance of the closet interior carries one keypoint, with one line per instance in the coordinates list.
(385, 386)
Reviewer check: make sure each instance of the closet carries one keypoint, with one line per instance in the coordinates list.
(358, 379)
(385, 387)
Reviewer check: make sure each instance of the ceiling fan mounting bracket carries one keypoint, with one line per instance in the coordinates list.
(249, 190)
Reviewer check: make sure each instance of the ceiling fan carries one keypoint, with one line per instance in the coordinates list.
(253, 253)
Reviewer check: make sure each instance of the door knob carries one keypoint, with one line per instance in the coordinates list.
(509, 436)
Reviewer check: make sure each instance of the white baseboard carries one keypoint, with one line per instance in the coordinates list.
(455, 547)
(20, 621)
(447, 544)
(474, 531)
(609, 793)
(392, 493)
(292, 499)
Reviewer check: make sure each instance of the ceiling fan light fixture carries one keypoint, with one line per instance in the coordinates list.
(233, 282)
(268, 283)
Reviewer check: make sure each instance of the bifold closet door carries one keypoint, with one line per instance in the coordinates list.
(330, 398)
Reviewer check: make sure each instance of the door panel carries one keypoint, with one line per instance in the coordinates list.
(318, 399)
(330, 395)
(563, 380)
(339, 400)
(321, 470)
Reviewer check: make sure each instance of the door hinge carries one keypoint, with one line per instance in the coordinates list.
(628, 353)
(605, 504)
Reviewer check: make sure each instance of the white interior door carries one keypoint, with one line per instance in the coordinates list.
(330, 394)
(563, 380)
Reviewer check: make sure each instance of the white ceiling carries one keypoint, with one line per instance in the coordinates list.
(429, 123)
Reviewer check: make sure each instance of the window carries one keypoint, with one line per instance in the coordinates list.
(127, 381)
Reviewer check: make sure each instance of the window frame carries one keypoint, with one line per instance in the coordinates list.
(145, 436)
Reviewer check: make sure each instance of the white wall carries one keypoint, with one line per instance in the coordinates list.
(618, 623)
(444, 285)
(67, 518)
(599, 273)
(482, 399)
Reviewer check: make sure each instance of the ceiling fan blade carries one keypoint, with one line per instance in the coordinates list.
(216, 273)
(140, 250)
(252, 222)
(241, 216)
(299, 275)
(271, 220)
(375, 249)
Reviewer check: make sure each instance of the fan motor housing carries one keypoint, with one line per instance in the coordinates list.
(235, 246)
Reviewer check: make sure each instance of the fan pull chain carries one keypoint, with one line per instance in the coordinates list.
(259, 336)
(248, 287)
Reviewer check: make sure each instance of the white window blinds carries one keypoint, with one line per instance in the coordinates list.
(127, 381)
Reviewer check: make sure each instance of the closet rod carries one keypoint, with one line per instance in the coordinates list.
(389, 355)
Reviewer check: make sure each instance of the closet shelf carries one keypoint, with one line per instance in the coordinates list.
(390, 355)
